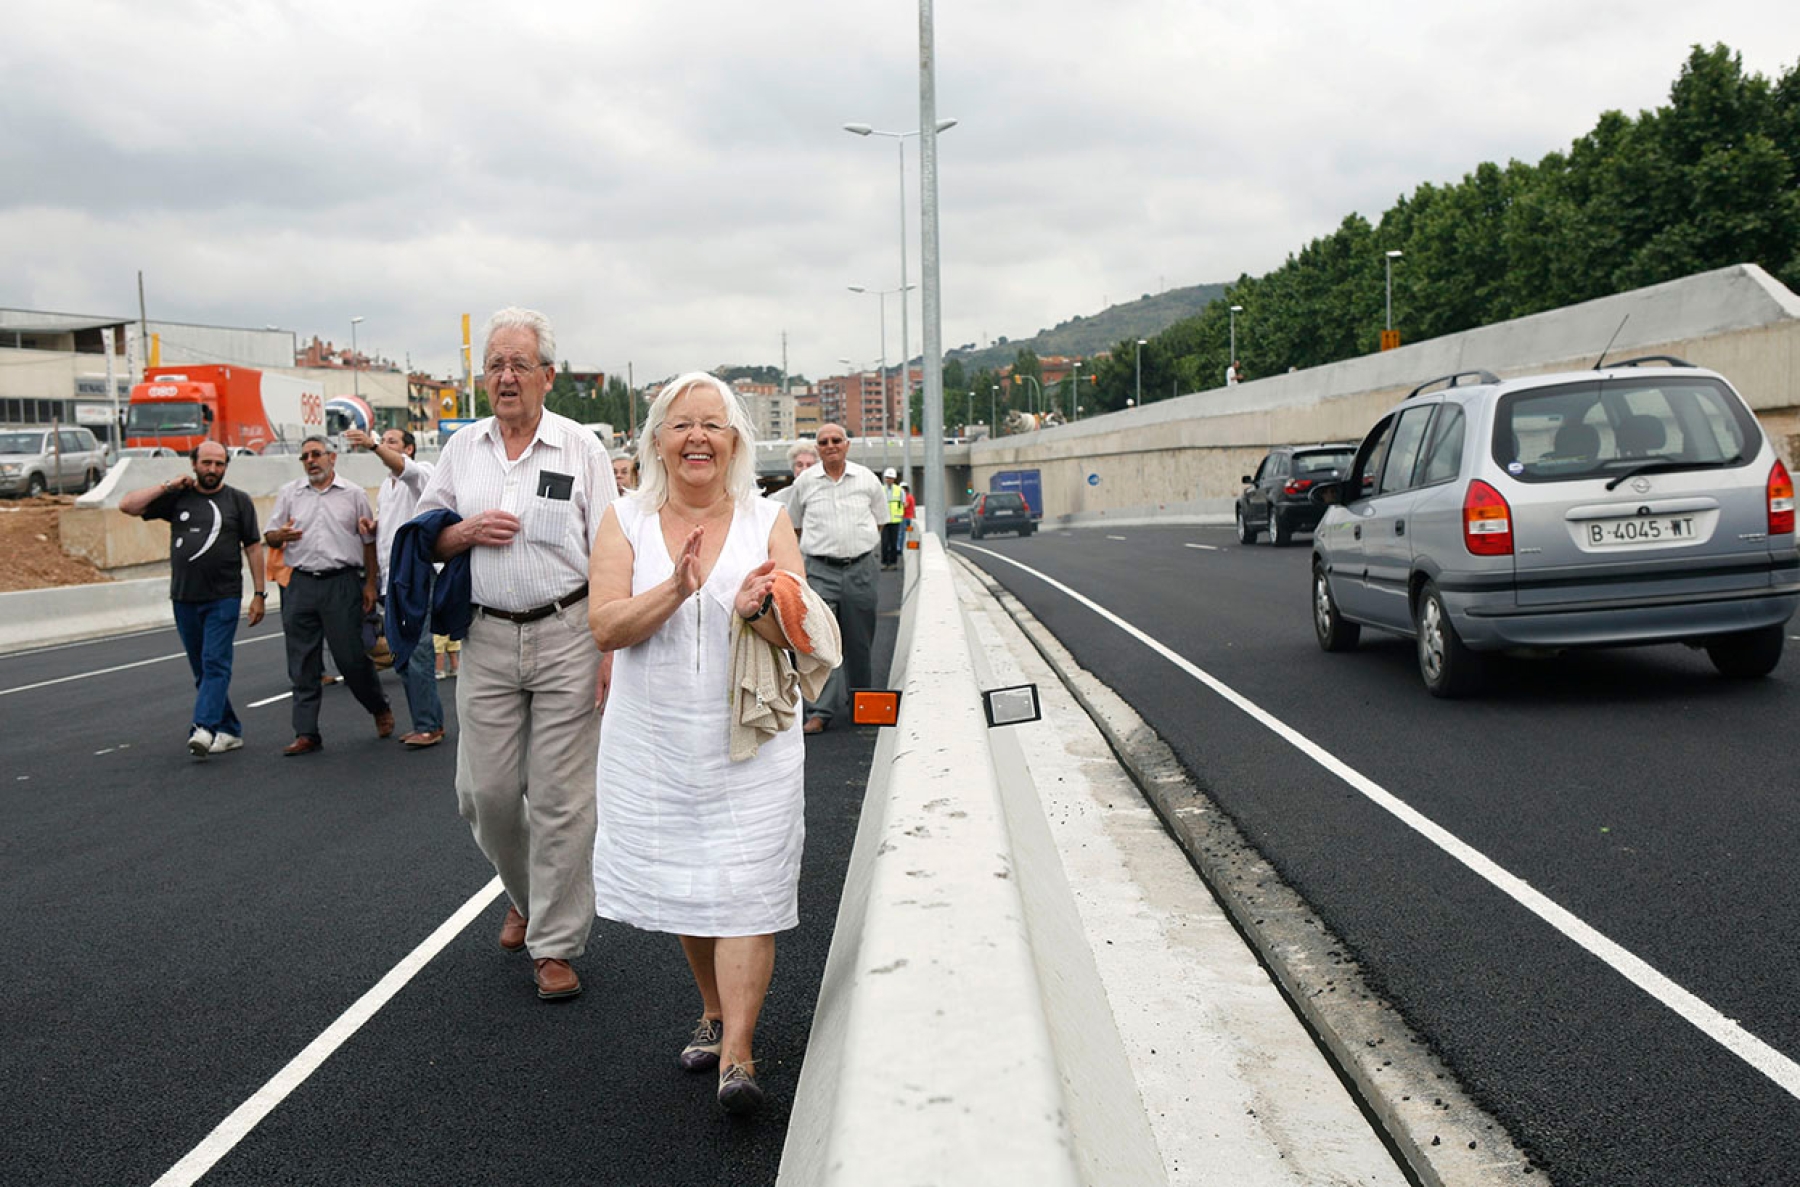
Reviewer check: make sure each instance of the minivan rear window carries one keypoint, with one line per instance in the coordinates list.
(1598, 428)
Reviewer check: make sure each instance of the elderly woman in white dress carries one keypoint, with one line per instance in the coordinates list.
(690, 842)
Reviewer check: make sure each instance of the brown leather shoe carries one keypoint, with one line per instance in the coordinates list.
(418, 741)
(384, 723)
(512, 931)
(555, 979)
(302, 745)
(814, 725)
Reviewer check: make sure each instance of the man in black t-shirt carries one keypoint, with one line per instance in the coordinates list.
(212, 531)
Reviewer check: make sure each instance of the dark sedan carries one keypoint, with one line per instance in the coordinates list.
(956, 521)
(1278, 498)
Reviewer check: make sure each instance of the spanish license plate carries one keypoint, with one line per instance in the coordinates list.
(1644, 529)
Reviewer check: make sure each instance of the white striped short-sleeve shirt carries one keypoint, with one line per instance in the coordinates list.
(839, 518)
(559, 488)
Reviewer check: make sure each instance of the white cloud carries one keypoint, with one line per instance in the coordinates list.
(671, 182)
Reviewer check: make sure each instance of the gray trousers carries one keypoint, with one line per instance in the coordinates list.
(528, 737)
(318, 613)
(850, 592)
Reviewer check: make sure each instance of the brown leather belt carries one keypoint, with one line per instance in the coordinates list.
(541, 612)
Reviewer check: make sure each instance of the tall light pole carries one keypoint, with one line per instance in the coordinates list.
(1235, 310)
(1392, 255)
(969, 414)
(899, 139)
(994, 410)
(1139, 355)
(355, 385)
(931, 313)
(1075, 390)
(1036, 388)
(881, 302)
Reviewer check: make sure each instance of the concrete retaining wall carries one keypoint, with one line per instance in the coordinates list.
(1184, 457)
(32, 618)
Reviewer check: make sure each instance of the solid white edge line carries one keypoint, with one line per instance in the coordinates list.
(1784, 1072)
(161, 659)
(249, 1115)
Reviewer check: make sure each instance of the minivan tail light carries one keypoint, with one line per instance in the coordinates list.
(1781, 500)
(1487, 521)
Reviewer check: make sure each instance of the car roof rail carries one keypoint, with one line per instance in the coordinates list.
(1451, 379)
(1668, 360)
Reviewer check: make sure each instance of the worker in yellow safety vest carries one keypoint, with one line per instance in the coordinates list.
(890, 531)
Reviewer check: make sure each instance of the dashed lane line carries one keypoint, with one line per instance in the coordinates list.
(280, 696)
(1204, 547)
(1728, 1033)
(160, 659)
(1118, 537)
(247, 1116)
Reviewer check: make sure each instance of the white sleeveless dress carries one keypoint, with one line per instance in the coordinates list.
(688, 841)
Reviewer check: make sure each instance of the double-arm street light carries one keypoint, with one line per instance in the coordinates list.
(899, 139)
(881, 304)
(355, 385)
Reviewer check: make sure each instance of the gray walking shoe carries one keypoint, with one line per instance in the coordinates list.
(738, 1091)
(702, 1051)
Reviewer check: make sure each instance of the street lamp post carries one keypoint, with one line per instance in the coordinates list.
(1139, 355)
(1392, 255)
(1037, 391)
(1075, 389)
(994, 410)
(1235, 310)
(899, 139)
(355, 385)
(882, 295)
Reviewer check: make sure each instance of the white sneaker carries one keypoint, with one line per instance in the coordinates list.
(223, 741)
(200, 742)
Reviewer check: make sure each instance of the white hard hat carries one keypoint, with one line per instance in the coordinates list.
(890, 473)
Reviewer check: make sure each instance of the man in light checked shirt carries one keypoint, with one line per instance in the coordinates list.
(531, 487)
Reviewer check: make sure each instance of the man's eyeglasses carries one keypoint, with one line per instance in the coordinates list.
(311, 454)
(518, 367)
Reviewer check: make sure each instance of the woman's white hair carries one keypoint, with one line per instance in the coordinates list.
(514, 318)
(740, 475)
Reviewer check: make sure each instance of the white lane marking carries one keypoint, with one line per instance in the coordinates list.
(1708, 1020)
(247, 1116)
(1117, 537)
(1206, 547)
(161, 659)
(108, 750)
(280, 696)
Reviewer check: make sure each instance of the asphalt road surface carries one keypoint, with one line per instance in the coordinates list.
(1642, 804)
(179, 930)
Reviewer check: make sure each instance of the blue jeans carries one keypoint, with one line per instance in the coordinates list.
(419, 679)
(207, 631)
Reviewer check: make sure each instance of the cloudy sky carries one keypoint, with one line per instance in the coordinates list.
(671, 182)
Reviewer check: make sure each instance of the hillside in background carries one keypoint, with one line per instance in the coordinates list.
(1086, 336)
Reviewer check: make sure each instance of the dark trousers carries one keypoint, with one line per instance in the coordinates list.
(851, 593)
(326, 612)
(890, 543)
(207, 631)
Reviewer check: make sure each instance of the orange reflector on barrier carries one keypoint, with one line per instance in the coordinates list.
(875, 707)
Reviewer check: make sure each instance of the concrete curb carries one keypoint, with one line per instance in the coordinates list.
(874, 1106)
(1444, 1138)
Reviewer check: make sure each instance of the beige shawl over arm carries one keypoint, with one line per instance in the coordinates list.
(768, 682)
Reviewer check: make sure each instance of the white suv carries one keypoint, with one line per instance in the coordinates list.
(34, 461)
(1635, 504)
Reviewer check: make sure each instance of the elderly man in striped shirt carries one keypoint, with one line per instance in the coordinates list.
(839, 508)
(530, 487)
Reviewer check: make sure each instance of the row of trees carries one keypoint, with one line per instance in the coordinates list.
(1707, 181)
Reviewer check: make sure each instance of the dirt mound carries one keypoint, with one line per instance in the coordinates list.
(31, 552)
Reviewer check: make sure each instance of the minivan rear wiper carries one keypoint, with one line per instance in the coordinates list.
(1663, 465)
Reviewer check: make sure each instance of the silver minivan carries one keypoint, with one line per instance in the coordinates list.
(34, 461)
(1639, 503)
